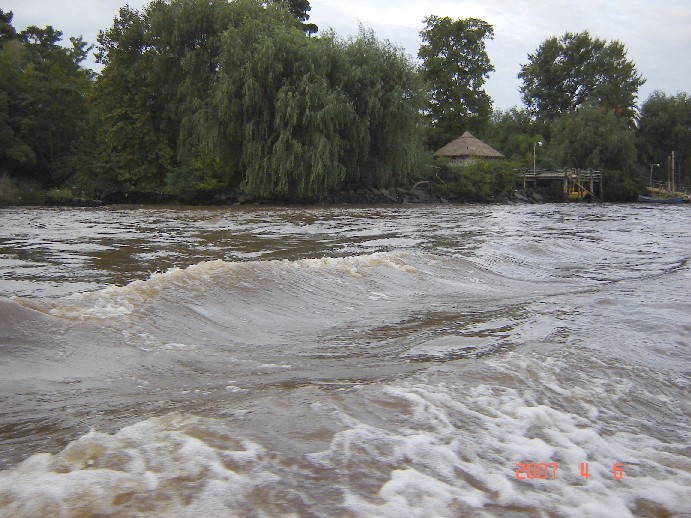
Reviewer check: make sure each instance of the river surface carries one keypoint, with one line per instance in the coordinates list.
(422, 361)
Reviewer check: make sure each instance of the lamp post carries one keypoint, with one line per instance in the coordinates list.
(535, 144)
(538, 143)
(651, 174)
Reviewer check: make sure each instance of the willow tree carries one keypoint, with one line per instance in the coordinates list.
(314, 115)
(592, 139)
(386, 91)
(279, 117)
(211, 95)
(188, 38)
(153, 99)
(665, 127)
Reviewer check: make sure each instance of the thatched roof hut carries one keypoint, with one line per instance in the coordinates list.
(467, 147)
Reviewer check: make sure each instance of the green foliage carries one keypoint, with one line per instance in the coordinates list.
(278, 115)
(314, 115)
(201, 180)
(300, 9)
(593, 139)
(665, 126)
(577, 70)
(9, 193)
(59, 197)
(128, 107)
(15, 154)
(42, 110)
(478, 180)
(199, 97)
(514, 132)
(7, 31)
(623, 186)
(455, 67)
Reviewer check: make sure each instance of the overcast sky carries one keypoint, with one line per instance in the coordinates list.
(656, 33)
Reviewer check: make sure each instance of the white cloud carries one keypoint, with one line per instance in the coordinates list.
(656, 34)
(72, 17)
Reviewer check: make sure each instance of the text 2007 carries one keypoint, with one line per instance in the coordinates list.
(543, 470)
(531, 471)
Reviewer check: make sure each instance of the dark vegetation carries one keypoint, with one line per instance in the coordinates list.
(210, 101)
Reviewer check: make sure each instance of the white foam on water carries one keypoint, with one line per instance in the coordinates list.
(455, 451)
(435, 445)
(121, 301)
(415, 494)
(393, 260)
(234, 389)
(584, 384)
(169, 466)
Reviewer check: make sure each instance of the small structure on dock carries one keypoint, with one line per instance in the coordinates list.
(577, 184)
(467, 147)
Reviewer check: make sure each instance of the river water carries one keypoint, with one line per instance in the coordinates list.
(347, 362)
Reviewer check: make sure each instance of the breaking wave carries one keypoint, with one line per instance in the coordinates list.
(408, 371)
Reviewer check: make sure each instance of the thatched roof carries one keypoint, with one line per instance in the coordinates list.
(467, 146)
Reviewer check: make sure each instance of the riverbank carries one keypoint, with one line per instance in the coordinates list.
(423, 193)
(427, 195)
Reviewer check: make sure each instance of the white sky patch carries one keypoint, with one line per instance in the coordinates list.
(656, 34)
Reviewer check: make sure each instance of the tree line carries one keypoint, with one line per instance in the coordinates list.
(580, 95)
(198, 99)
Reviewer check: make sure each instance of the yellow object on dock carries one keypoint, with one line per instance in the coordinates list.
(575, 194)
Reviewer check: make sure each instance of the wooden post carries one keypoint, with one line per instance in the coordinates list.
(674, 187)
(602, 181)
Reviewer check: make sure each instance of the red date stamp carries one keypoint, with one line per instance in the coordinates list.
(547, 470)
(532, 471)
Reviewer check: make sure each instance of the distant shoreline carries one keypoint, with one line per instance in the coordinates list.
(362, 197)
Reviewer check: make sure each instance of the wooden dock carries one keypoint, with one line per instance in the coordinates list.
(577, 184)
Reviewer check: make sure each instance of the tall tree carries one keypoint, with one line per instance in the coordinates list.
(313, 115)
(189, 39)
(300, 9)
(456, 66)
(7, 30)
(665, 126)
(14, 153)
(198, 97)
(575, 70)
(128, 107)
(42, 107)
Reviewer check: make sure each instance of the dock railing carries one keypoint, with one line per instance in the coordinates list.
(582, 179)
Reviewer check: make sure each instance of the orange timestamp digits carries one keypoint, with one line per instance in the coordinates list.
(531, 470)
(541, 471)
